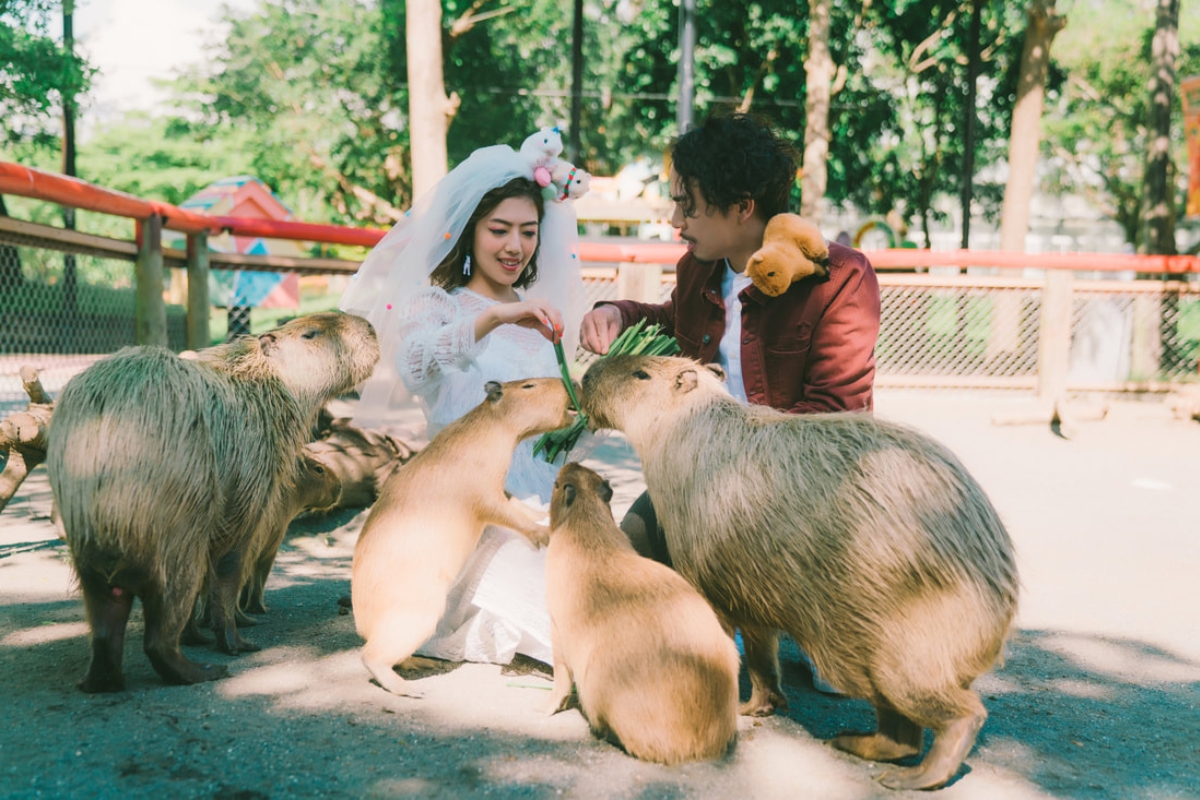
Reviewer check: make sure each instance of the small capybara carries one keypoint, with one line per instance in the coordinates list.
(431, 514)
(655, 671)
(317, 488)
(868, 542)
(164, 469)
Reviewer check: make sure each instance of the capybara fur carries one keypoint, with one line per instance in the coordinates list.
(165, 468)
(654, 670)
(866, 541)
(360, 458)
(317, 488)
(431, 514)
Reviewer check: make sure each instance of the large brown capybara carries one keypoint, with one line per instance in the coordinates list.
(431, 514)
(868, 542)
(164, 468)
(655, 671)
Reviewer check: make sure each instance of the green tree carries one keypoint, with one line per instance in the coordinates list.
(1096, 138)
(36, 73)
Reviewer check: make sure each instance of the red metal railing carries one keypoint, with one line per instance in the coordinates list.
(28, 182)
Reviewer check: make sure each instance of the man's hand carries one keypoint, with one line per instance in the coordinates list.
(600, 326)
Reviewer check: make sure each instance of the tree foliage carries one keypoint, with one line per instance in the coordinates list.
(311, 96)
(1095, 128)
(36, 72)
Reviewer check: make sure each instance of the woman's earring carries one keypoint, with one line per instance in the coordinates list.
(467, 265)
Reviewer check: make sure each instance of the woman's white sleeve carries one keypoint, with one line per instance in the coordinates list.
(436, 337)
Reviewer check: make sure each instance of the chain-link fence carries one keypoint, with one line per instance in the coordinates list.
(61, 306)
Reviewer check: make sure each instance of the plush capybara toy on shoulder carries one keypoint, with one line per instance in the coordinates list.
(165, 468)
(866, 541)
(793, 249)
(655, 671)
(431, 514)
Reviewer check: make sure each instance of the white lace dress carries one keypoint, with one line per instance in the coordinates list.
(497, 606)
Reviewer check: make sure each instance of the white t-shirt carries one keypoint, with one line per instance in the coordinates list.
(729, 351)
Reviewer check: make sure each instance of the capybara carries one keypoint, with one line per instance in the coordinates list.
(655, 671)
(868, 542)
(164, 468)
(317, 487)
(431, 514)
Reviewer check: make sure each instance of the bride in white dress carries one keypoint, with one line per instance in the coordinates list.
(473, 287)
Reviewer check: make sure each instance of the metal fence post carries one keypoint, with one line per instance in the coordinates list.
(198, 333)
(1054, 335)
(151, 313)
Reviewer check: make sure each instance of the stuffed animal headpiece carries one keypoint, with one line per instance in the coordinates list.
(793, 249)
(570, 182)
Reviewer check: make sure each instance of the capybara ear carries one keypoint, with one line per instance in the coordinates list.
(267, 342)
(686, 381)
(568, 491)
(494, 391)
(605, 491)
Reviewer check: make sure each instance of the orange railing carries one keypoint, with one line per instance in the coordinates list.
(34, 183)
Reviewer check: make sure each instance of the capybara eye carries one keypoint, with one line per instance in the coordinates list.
(641, 375)
(314, 333)
(529, 386)
(770, 274)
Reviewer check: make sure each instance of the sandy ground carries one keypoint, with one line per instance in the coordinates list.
(1098, 696)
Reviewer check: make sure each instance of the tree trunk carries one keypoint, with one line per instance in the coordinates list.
(968, 166)
(23, 436)
(429, 109)
(1025, 136)
(819, 69)
(1023, 142)
(1158, 234)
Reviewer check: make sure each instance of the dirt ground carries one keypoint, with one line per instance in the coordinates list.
(1098, 696)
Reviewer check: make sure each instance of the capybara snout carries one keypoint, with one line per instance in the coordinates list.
(572, 481)
(616, 383)
(346, 338)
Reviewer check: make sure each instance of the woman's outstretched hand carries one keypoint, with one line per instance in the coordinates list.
(536, 314)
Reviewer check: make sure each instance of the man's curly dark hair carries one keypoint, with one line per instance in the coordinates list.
(734, 158)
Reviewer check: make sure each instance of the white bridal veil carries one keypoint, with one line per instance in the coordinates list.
(399, 266)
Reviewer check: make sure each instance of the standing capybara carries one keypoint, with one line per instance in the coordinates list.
(655, 671)
(431, 514)
(317, 487)
(164, 468)
(866, 541)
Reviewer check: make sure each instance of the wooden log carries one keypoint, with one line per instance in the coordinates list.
(23, 436)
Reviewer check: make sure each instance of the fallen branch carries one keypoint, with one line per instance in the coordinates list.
(23, 436)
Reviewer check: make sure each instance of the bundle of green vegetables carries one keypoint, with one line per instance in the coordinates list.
(639, 339)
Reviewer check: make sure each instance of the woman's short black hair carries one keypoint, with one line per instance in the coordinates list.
(449, 274)
(733, 158)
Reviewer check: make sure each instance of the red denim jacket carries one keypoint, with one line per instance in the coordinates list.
(810, 350)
